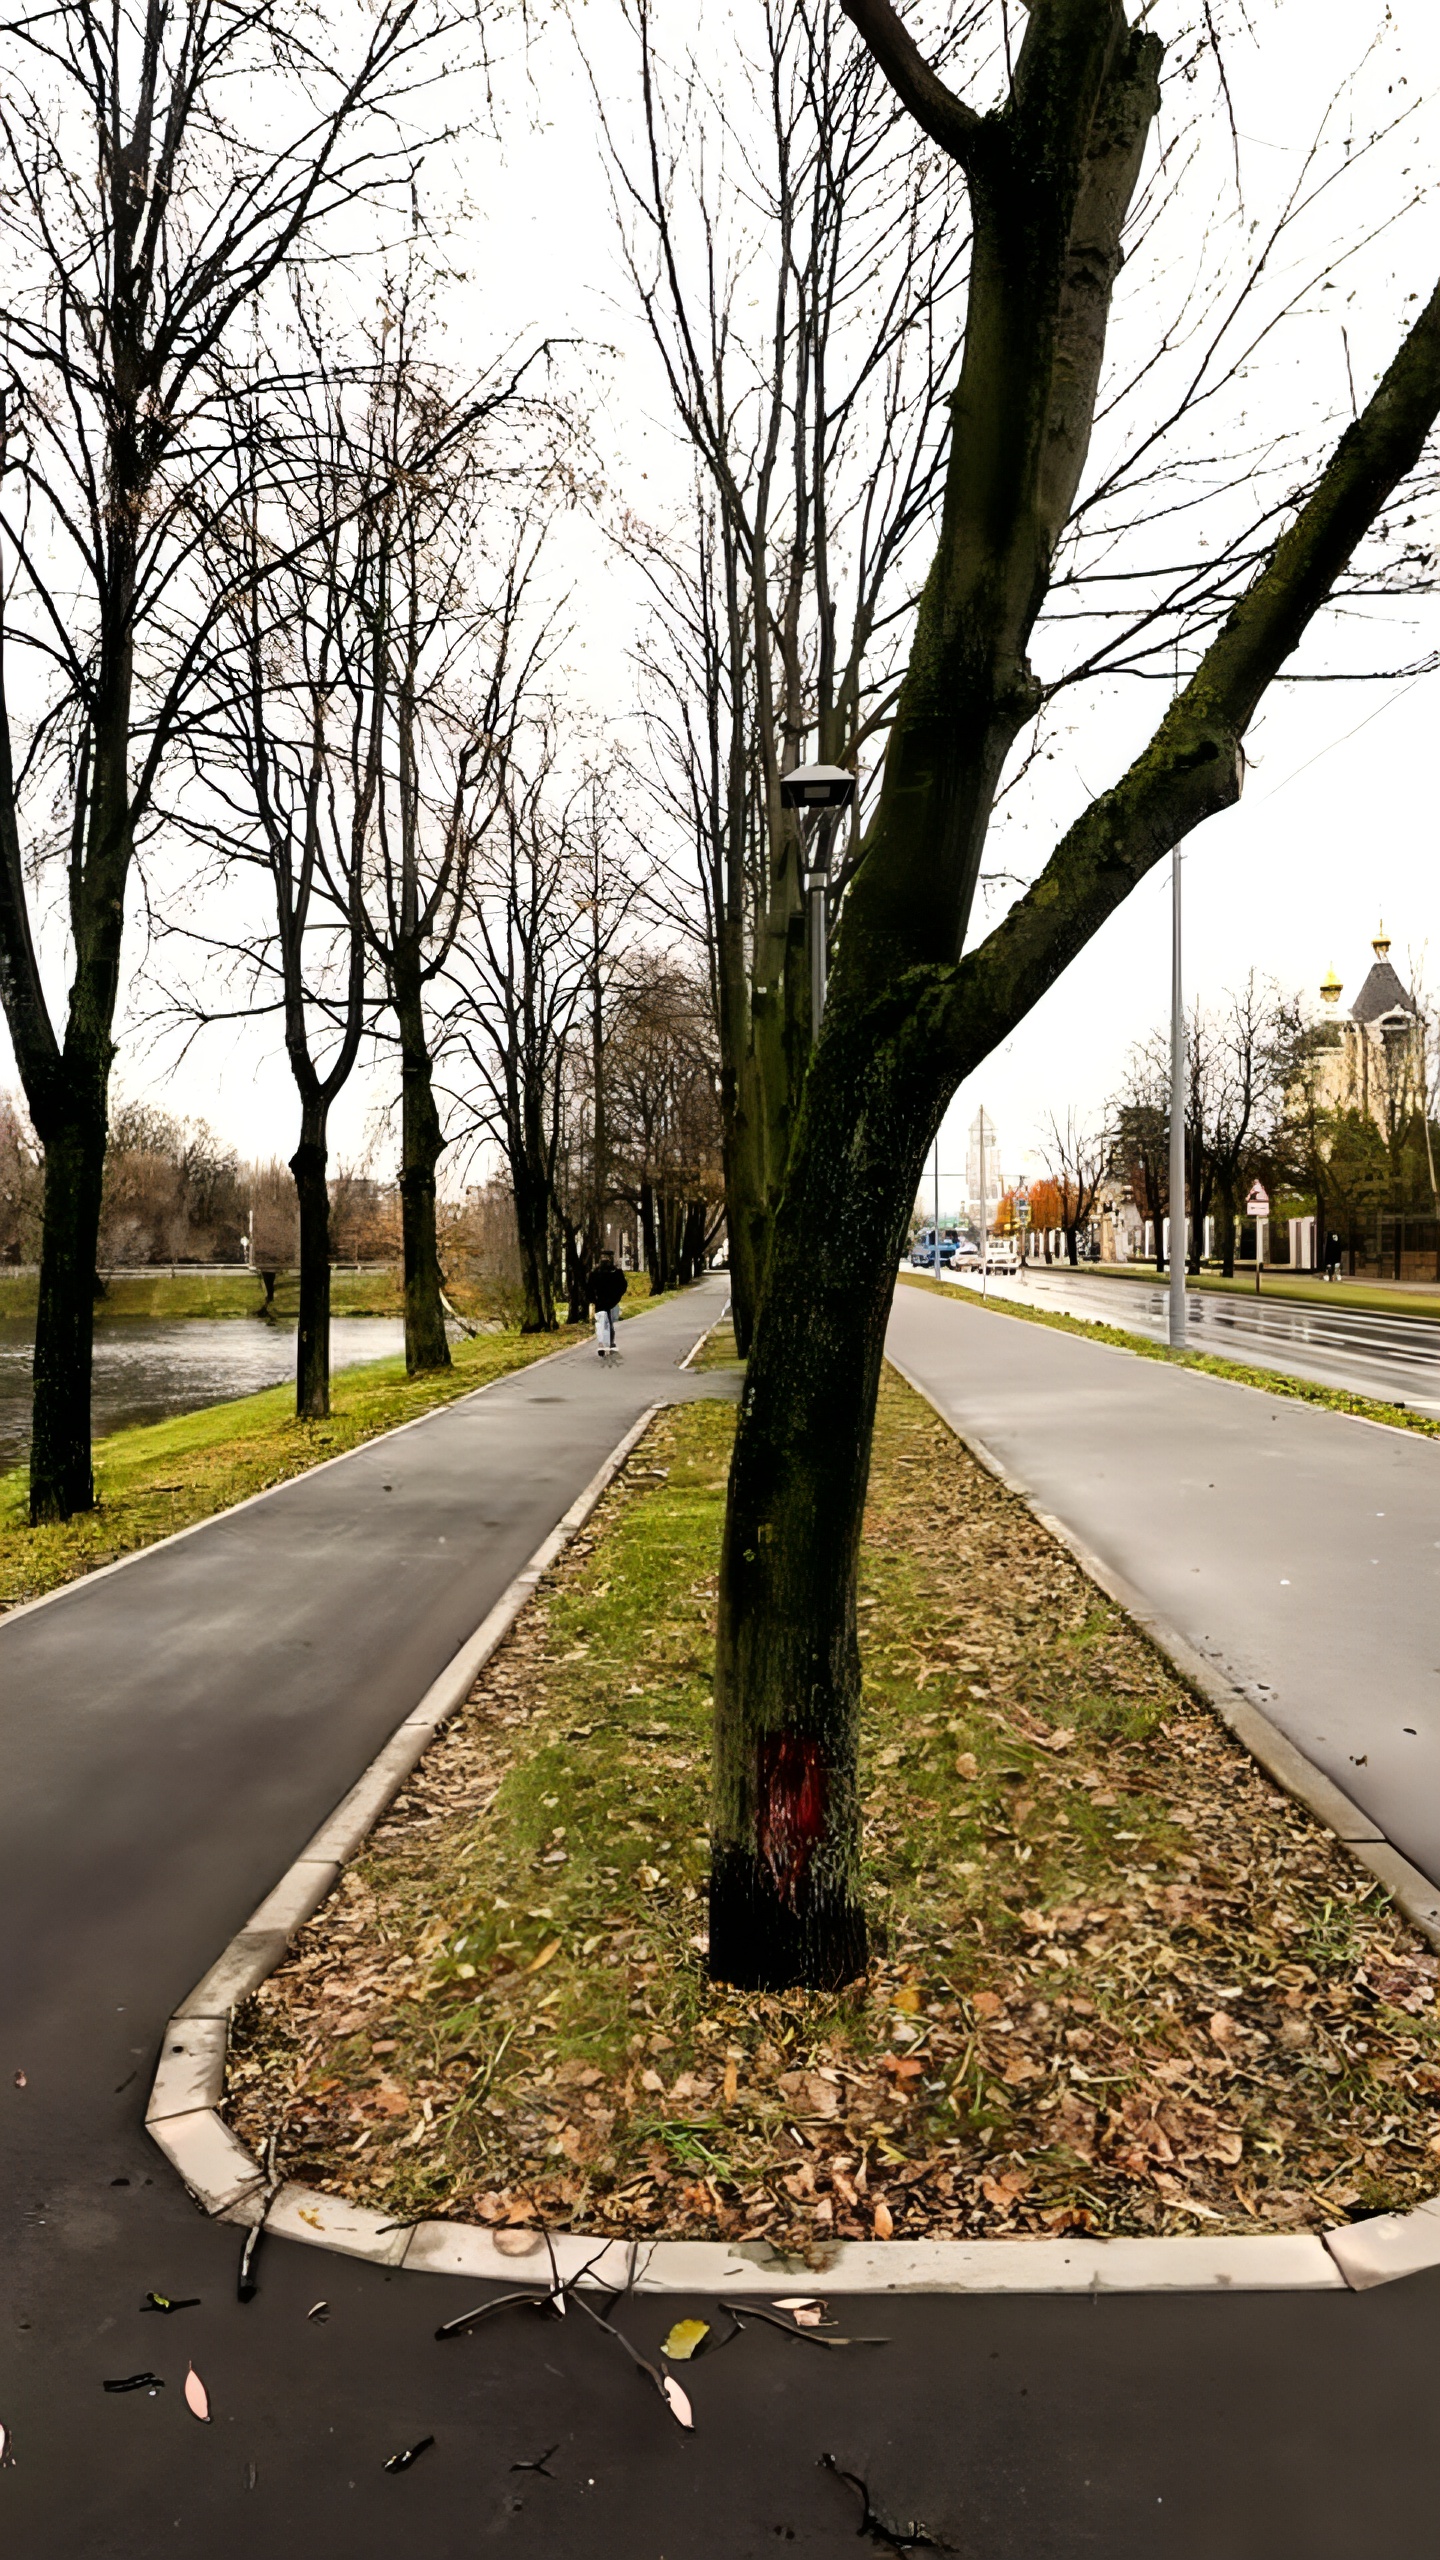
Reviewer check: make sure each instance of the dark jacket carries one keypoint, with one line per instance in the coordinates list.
(606, 1286)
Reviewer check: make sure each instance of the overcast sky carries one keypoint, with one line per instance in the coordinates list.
(1338, 822)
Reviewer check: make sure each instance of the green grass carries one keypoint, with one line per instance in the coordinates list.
(1270, 1382)
(1120, 1982)
(163, 1476)
(223, 1293)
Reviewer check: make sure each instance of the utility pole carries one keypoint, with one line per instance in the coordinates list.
(937, 1204)
(1177, 1118)
(984, 1214)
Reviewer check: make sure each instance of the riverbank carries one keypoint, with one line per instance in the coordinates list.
(167, 1296)
(1120, 1982)
(159, 1477)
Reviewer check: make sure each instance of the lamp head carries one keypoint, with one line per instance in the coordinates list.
(817, 786)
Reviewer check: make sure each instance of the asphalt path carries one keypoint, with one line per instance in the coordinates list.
(1299, 1549)
(1393, 1358)
(172, 1734)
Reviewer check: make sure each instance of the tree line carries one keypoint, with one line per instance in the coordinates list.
(965, 419)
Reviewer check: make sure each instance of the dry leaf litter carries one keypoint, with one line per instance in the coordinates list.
(1122, 1983)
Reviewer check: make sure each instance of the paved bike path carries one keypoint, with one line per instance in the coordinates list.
(170, 1737)
(1297, 1548)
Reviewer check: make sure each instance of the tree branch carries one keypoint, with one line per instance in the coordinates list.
(1193, 765)
(935, 108)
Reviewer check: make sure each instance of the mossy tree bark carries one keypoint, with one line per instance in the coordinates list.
(1051, 176)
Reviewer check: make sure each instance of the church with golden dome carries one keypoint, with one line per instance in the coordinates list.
(1372, 1057)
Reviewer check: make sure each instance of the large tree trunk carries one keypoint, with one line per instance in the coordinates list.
(312, 1341)
(532, 1227)
(422, 1144)
(785, 1902)
(1227, 1234)
(61, 1478)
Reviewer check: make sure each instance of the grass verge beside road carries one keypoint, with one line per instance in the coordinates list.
(164, 1476)
(1124, 1985)
(1271, 1382)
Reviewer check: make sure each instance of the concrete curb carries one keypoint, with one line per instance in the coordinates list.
(1390, 2244)
(183, 2110)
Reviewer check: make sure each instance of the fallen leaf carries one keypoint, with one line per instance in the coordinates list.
(167, 2302)
(536, 1966)
(197, 2398)
(966, 1765)
(986, 2004)
(6, 2456)
(20, 2080)
(679, 2405)
(731, 2084)
(683, 2340)
(652, 2081)
(882, 2221)
(317, 2311)
(412, 2453)
(906, 1998)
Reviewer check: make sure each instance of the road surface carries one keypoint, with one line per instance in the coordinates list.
(171, 1735)
(1395, 1359)
(1298, 1549)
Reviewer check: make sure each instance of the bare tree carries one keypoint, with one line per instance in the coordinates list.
(817, 433)
(454, 524)
(1077, 1159)
(140, 217)
(1052, 169)
(663, 1075)
(520, 971)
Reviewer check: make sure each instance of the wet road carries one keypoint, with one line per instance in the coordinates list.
(1395, 1359)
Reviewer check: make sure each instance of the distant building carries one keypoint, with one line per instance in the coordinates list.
(1373, 1058)
(984, 1184)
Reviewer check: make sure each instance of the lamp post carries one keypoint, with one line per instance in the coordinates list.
(1022, 1219)
(822, 791)
(1177, 1118)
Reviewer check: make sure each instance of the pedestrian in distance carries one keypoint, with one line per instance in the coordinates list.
(605, 1288)
(1332, 1256)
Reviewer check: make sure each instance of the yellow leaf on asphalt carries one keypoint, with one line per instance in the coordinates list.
(683, 2340)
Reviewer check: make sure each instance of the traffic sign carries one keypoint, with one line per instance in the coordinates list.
(1257, 1201)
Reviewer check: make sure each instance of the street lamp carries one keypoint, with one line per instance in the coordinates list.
(1022, 1219)
(822, 791)
(1178, 1238)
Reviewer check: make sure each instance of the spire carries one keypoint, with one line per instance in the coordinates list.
(1381, 944)
(1330, 989)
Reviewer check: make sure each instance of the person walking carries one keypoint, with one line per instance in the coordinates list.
(1332, 1256)
(605, 1288)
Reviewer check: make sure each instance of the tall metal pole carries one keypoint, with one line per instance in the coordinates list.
(984, 1215)
(937, 1204)
(1177, 1118)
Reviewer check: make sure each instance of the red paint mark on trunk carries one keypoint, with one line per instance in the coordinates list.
(792, 1808)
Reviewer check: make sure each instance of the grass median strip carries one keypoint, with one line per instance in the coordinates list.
(1271, 1382)
(1124, 1985)
(163, 1476)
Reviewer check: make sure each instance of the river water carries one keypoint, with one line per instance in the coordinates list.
(145, 1371)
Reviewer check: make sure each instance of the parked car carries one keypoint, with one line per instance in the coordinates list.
(1001, 1257)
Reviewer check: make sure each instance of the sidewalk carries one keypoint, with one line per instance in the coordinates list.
(1298, 1549)
(141, 1821)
